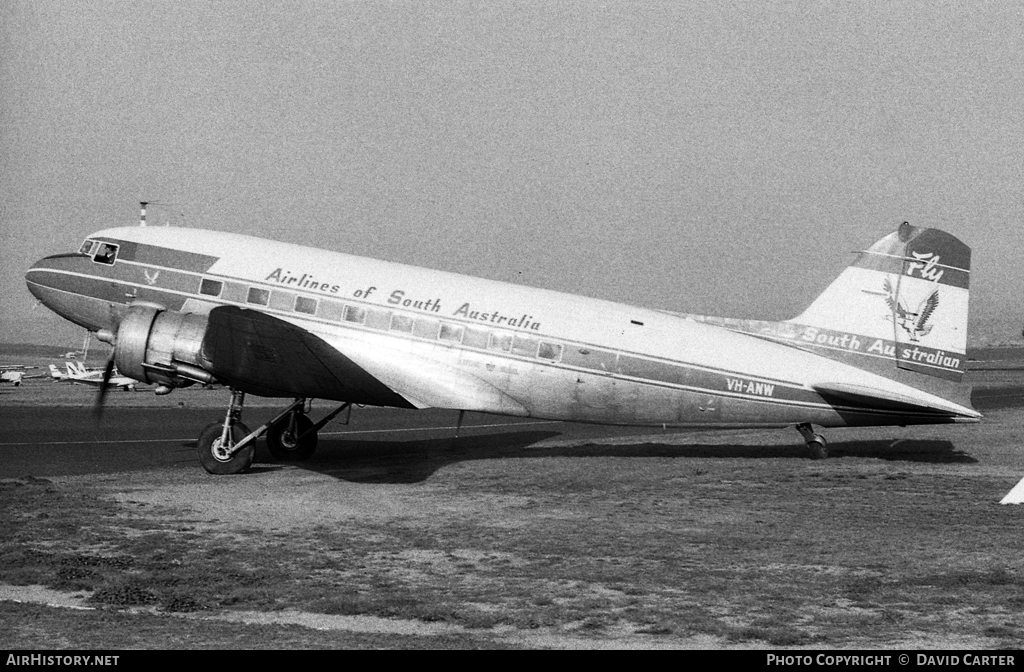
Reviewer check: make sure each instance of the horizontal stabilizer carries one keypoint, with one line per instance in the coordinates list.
(887, 400)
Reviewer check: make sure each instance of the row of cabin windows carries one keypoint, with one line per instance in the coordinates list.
(421, 327)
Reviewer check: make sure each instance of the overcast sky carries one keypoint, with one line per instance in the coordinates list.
(715, 157)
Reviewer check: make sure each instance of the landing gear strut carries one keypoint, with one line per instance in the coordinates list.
(220, 446)
(816, 443)
(228, 448)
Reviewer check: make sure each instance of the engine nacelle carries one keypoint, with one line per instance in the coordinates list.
(162, 346)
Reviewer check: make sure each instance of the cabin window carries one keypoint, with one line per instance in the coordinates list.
(304, 304)
(475, 338)
(552, 351)
(233, 291)
(451, 332)
(106, 254)
(401, 323)
(331, 310)
(87, 247)
(377, 319)
(280, 300)
(355, 314)
(501, 342)
(524, 346)
(260, 297)
(426, 328)
(211, 287)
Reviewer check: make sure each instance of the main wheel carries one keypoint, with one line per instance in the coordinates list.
(285, 445)
(818, 447)
(213, 455)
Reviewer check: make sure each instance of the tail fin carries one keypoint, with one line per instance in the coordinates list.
(902, 304)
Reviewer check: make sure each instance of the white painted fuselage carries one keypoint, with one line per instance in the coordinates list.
(445, 340)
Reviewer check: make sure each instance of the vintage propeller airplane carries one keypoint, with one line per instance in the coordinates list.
(15, 373)
(77, 373)
(184, 306)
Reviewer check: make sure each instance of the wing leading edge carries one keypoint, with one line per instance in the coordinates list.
(261, 354)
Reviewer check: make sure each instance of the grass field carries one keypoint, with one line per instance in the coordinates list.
(720, 540)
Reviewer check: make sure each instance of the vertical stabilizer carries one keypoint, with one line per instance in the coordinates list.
(902, 303)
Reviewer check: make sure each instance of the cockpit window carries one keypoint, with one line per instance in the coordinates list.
(106, 254)
(87, 247)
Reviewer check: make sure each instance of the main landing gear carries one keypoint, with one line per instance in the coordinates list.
(816, 443)
(229, 447)
(291, 439)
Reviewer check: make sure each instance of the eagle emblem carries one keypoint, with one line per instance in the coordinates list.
(915, 324)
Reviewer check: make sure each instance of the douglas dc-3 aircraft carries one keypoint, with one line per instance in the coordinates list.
(883, 345)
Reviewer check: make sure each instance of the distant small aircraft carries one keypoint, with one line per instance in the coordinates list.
(183, 306)
(78, 373)
(15, 373)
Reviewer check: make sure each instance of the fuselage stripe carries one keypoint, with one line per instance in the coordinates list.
(679, 367)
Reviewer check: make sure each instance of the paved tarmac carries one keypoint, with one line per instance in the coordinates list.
(57, 440)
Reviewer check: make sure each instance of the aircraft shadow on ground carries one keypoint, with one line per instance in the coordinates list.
(415, 461)
(998, 398)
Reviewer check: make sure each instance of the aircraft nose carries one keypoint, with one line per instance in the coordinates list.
(51, 274)
(63, 283)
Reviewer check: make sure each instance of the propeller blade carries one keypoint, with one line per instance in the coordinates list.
(101, 394)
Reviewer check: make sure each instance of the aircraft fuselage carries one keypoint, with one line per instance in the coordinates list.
(445, 340)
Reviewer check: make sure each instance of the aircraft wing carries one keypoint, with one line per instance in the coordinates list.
(427, 383)
(261, 354)
(85, 380)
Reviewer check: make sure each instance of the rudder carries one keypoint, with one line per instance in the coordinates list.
(903, 302)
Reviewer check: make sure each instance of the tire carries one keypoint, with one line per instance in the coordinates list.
(818, 448)
(209, 445)
(282, 444)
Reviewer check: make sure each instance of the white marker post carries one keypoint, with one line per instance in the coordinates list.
(1015, 496)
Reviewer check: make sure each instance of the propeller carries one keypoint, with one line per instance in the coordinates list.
(101, 394)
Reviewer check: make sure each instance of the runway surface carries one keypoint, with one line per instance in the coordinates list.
(44, 440)
(58, 441)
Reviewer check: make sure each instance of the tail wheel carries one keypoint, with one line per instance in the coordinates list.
(213, 454)
(284, 443)
(816, 443)
(818, 447)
